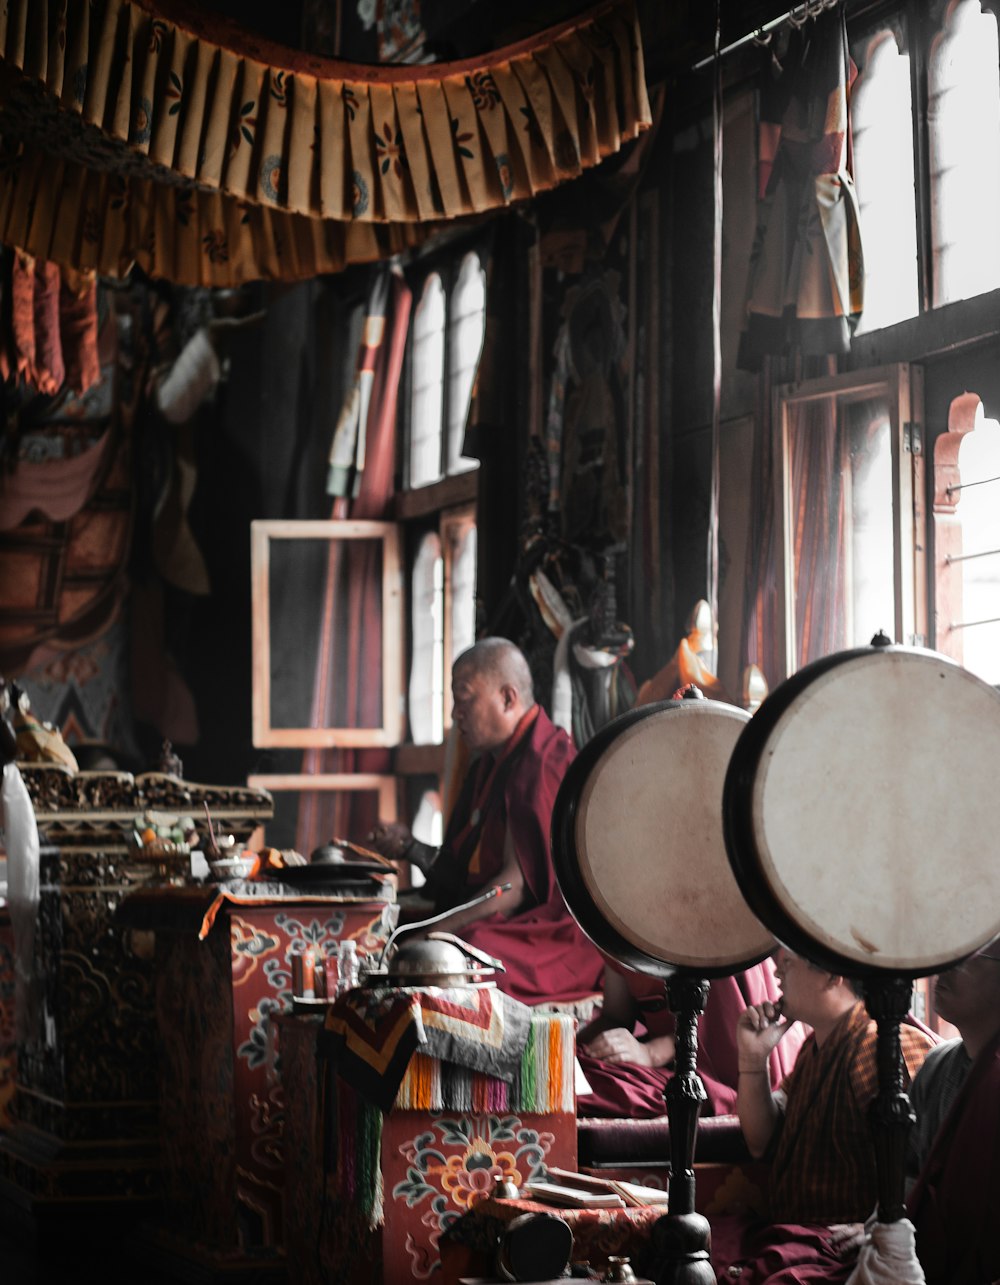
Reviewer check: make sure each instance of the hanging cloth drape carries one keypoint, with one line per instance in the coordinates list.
(761, 637)
(352, 606)
(819, 464)
(152, 133)
(806, 280)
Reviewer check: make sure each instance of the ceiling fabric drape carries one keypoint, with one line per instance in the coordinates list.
(150, 133)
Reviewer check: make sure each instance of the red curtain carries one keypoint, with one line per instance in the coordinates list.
(348, 689)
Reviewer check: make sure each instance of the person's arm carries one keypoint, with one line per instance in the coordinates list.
(620, 1045)
(610, 1035)
(617, 1008)
(759, 1030)
(507, 904)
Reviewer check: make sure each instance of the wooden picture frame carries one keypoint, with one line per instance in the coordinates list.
(264, 535)
(343, 782)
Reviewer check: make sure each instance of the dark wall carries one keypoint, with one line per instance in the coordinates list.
(263, 456)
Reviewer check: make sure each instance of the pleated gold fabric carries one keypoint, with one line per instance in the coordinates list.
(83, 218)
(207, 156)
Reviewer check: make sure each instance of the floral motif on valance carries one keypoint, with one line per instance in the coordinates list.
(182, 109)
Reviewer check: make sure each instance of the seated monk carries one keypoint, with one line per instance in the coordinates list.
(628, 1074)
(954, 1145)
(814, 1129)
(956, 1142)
(499, 833)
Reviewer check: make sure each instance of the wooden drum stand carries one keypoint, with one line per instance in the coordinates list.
(639, 852)
(859, 802)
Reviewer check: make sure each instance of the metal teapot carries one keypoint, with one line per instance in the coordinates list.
(440, 959)
(437, 959)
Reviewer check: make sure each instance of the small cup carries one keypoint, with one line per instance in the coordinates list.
(308, 975)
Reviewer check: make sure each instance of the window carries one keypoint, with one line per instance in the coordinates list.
(426, 697)
(461, 539)
(847, 485)
(427, 390)
(967, 539)
(402, 591)
(927, 88)
(437, 514)
(437, 507)
(337, 797)
(442, 620)
(881, 119)
(963, 112)
(466, 324)
(427, 827)
(447, 338)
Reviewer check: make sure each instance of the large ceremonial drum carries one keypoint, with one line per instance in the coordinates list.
(862, 812)
(638, 846)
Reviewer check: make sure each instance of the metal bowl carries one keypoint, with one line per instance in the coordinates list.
(440, 959)
(431, 963)
(329, 854)
(229, 868)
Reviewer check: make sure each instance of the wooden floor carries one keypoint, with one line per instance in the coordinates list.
(62, 1262)
(63, 1257)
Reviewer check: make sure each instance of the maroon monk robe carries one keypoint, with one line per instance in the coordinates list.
(953, 1206)
(955, 1202)
(627, 1090)
(547, 956)
(778, 1253)
(797, 1253)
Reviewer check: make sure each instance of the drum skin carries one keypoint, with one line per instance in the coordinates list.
(861, 812)
(638, 847)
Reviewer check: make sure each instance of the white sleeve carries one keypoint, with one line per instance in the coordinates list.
(889, 1257)
(21, 841)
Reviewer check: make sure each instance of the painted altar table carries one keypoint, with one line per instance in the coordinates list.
(223, 972)
(380, 1163)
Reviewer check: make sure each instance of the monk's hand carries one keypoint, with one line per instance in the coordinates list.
(390, 839)
(759, 1029)
(619, 1045)
(846, 1239)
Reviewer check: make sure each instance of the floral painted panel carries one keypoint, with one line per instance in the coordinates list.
(222, 1099)
(435, 1166)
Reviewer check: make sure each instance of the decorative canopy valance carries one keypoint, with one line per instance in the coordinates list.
(147, 132)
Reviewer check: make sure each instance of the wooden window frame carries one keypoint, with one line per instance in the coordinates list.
(902, 386)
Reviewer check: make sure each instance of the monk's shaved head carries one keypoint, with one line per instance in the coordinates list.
(499, 660)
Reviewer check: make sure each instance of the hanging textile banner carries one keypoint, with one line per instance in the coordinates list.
(84, 218)
(274, 163)
(805, 290)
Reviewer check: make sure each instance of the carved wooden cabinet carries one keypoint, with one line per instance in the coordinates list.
(83, 1132)
(221, 980)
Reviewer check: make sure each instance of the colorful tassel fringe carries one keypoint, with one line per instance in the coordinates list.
(542, 1084)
